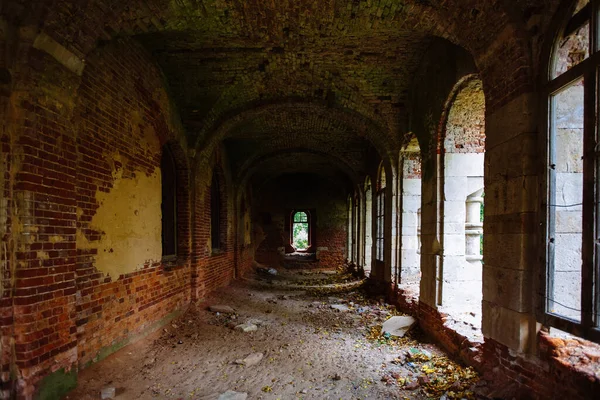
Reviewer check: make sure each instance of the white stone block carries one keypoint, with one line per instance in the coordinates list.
(567, 252)
(456, 188)
(411, 187)
(455, 211)
(463, 164)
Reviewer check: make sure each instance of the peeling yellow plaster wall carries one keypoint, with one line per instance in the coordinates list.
(130, 218)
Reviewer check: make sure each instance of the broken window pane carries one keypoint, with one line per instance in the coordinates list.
(573, 48)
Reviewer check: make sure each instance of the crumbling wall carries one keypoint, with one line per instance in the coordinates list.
(81, 210)
(122, 118)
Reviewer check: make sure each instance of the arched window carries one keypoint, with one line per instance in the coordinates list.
(350, 226)
(169, 203)
(368, 226)
(380, 217)
(215, 213)
(571, 295)
(355, 229)
(301, 230)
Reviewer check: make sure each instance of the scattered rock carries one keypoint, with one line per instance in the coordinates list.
(419, 354)
(108, 393)
(412, 385)
(398, 326)
(255, 321)
(222, 309)
(251, 360)
(150, 362)
(246, 328)
(340, 307)
(268, 271)
(231, 395)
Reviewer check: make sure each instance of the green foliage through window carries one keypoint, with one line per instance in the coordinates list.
(300, 231)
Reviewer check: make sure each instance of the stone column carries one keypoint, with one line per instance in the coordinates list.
(474, 229)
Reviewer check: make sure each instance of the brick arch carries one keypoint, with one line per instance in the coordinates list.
(554, 32)
(358, 123)
(466, 85)
(256, 164)
(483, 29)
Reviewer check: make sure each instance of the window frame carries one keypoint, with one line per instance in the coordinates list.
(167, 153)
(308, 222)
(215, 215)
(589, 325)
(356, 229)
(380, 217)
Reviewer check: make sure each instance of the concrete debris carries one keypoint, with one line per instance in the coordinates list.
(250, 360)
(398, 326)
(267, 271)
(108, 393)
(231, 395)
(246, 328)
(413, 385)
(150, 362)
(340, 307)
(222, 309)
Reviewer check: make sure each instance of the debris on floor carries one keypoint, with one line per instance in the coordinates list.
(246, 327)
(302, 346)
(231, 395)
(250, 360)
(108, 393)
(398, 325)
(222, 309)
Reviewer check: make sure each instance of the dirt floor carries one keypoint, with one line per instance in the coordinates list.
(309, 351)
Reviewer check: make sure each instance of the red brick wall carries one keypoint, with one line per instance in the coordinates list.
(118, 81)
(411, 166)
(558, 371)
(58, 135)
(6, 276)
(212, 269)
(41, 245)
(464, 130)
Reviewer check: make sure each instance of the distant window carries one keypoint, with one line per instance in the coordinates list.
(169, 203)
(300, 230)
(215, 213)
(380, 216)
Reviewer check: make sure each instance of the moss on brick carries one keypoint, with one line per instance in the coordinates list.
(108, 350)
(57, 384)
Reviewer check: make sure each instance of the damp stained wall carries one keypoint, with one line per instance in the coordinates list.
(129, 219)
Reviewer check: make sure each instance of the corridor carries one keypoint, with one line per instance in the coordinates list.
(308, 350)
(158, 157)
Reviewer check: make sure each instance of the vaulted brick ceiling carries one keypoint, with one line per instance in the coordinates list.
(222, 58)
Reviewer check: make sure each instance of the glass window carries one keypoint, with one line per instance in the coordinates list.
(571, 296)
